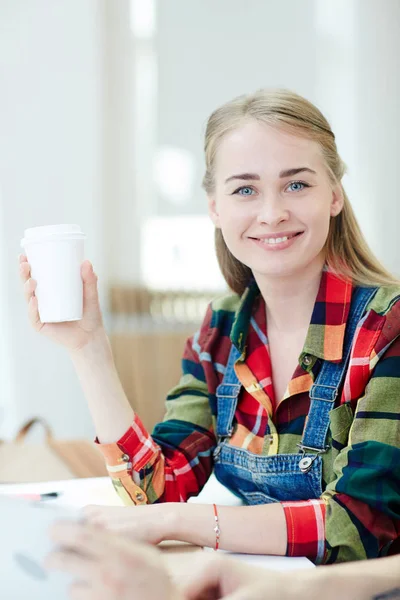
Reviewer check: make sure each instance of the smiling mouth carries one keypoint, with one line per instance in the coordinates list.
(279, 240)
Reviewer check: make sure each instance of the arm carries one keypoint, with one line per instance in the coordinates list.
(111, 566)
(248, 529)
(180, 465)
(358, 515)
(368, 580)
(175, 461)
(109, 407)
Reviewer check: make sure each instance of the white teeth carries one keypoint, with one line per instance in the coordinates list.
(275, 240)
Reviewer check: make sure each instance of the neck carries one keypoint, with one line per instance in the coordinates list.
(290, 299)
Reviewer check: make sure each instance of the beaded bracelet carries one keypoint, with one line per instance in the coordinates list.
(216, 528)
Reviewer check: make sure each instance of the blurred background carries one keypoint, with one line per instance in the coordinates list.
(103, 106)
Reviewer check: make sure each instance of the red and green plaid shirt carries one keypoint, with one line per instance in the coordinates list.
(358, 514)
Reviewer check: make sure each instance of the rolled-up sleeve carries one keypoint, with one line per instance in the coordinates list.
(358, 515)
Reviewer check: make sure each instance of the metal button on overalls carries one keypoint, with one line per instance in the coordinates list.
(305, 464)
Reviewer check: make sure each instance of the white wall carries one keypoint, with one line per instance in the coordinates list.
(358, 88)
(50, 172)
(210, 52)
(377, 74)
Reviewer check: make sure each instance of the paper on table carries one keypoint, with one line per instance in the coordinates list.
(75, 493)
(215, 493)
(275, 563)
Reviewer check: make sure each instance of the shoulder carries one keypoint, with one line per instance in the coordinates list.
(381, 324)
(219, 318)
(224, 309)
(386, 301)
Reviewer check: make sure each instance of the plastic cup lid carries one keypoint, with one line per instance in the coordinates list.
(52, 232)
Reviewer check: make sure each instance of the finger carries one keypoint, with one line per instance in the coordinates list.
(33, 313)
(205, 580)
(81, 538)
(106, 517)
(108, 586)
(244, 594)
(256, 591)
(29, 289)
(89, 278)
(22, 258)
(24, 271)
(74, 564)
(81, 591)
(97, 515)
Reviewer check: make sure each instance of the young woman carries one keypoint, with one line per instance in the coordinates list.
(291, 387)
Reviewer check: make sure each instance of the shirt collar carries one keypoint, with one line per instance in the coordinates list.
(243, 315)
(325, 336)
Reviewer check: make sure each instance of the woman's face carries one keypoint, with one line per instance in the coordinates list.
(273, 199)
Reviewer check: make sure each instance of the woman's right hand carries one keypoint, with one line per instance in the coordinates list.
(73, 335)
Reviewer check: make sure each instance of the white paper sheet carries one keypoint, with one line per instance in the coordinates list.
(275, 563)
(73, 492)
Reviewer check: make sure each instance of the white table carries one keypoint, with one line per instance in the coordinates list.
(77, 493)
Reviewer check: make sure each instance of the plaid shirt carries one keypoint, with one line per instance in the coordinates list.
(358, 514)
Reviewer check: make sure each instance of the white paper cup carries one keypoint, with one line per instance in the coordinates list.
(56, 253)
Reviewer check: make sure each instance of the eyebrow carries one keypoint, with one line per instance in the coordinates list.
(282, 174)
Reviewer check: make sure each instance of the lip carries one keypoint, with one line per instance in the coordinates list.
(266, 236)
(275, 247)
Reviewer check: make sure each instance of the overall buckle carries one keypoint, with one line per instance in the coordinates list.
(306, 462)
(221, 441)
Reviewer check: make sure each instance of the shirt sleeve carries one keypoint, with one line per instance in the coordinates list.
(175, 461)
(358, 515)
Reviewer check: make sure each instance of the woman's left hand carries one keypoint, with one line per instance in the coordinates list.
(149, 523)
(107, 566)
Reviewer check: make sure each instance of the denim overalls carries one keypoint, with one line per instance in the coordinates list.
(264, 479)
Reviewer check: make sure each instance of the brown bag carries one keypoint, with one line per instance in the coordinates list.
(22, 461)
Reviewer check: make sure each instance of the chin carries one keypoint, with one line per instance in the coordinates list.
(282, 268)
(279, 271)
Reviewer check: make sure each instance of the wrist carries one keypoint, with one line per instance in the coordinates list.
(170, 520)
(191, 523)
(96, 349)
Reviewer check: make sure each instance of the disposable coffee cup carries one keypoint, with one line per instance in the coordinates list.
(56, 253)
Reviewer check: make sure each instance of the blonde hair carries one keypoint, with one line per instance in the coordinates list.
(347, 252)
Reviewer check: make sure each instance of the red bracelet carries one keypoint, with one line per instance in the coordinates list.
(216, 528)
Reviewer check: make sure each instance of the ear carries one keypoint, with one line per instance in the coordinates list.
(337, 200)
(212, 210)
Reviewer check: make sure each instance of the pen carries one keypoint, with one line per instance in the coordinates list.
(46, 496)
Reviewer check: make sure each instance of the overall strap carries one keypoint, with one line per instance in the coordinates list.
(326, 386)
(227, 396)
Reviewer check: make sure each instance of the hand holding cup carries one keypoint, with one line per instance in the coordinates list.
(63, 302)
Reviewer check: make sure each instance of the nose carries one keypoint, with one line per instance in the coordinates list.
(272, 211)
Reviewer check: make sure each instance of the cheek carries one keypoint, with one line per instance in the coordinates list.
(316, 213)
(318, 224)
(235, 217)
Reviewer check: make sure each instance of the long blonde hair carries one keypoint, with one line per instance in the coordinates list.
(347, 252)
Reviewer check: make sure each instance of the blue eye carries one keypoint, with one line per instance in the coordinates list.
(244, 191)
(297, 186)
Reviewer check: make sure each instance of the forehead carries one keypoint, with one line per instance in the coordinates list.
(255, 147)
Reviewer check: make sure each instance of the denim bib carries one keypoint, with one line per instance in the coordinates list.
(282, 477)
